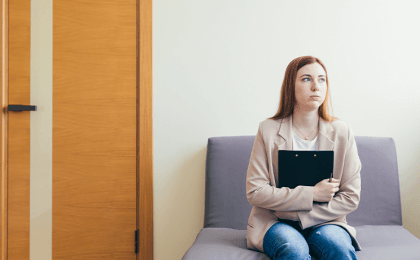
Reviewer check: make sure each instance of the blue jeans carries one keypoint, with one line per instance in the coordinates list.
(287, 241)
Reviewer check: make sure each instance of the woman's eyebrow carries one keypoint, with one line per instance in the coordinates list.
(311, 76)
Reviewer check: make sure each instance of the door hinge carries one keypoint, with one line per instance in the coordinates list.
(136, 239)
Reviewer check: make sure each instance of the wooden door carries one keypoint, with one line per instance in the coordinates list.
(95, 131)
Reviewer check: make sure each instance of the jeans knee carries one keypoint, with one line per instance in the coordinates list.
(344, 251)
(293, 251)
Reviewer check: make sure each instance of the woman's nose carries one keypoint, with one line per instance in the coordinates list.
(315, 86)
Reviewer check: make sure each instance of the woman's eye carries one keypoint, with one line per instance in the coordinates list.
(323, 80)
(305, 78)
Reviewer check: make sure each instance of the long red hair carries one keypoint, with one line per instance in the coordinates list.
(287, 95)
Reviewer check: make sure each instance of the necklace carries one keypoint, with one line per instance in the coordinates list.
(306, 137)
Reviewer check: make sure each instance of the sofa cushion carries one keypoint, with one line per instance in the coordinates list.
(379, 242)
(380, 199)
(227, 161)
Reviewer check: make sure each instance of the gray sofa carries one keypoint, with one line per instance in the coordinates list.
(378, 219)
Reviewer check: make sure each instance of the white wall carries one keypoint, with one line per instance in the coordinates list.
(218, 67)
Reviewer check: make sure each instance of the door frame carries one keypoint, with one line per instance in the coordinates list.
(144, 151)
(3, 125)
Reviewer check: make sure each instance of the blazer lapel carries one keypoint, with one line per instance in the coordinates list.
(324, 141)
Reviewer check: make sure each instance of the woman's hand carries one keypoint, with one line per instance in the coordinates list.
(290, 215)
(324, 190)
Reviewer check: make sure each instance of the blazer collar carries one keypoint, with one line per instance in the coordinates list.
(285, 131)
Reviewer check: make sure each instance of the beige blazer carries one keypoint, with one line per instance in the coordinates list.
(261, 179)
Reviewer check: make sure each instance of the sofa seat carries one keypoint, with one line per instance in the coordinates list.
(387, 242)
(222, 244)
(382, 242)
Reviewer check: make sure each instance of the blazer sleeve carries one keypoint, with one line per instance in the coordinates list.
(346, 199)
(261, 193)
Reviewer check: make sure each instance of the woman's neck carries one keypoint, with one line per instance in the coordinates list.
(305, 120)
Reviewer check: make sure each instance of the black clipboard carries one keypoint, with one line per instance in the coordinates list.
(305, 168)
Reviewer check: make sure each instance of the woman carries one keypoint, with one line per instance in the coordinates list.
(305, 221)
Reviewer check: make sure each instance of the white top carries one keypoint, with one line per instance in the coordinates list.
(302, 144)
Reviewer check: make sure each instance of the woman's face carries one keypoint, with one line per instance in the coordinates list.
(311, 81)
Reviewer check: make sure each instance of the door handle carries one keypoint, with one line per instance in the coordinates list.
(19, 108)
